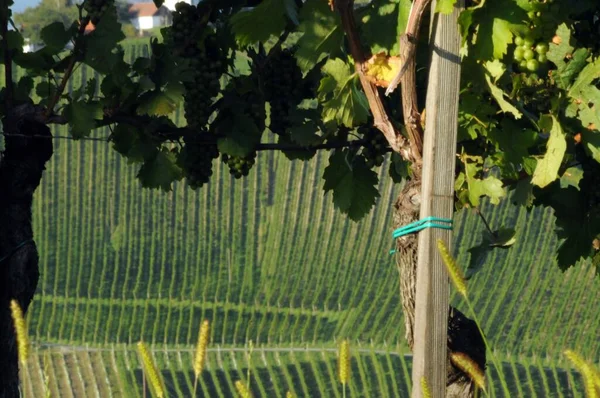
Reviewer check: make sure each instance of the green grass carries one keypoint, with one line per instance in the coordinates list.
(116, 372)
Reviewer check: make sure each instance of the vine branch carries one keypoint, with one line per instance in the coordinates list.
(67, 75)
(382, 121)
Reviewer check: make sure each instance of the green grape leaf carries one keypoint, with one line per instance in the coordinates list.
(567, 72)
(82, 117)
(547, 168)
(354, 185)
(445, 6)
(379, 26)
(399, 168)
(55, 36)
(571, 177)
(304, 127)
(272, 16)
(513, 140)
(490, 187)
(160, 171)
(560, 46)
(495, 22)
(322, 34)
(341, 99)
(133, 144)
(161, 103)
(576, 240)
(403, 12)
(241, 135)
(100, 43)
(585, 78)
(523, 193)
(45, 89)
(23, 88)
(498, 95)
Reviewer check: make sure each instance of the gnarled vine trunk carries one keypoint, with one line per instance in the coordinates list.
(463, 334)
(21, 167)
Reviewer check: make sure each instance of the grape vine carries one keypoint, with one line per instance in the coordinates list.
(529, 100)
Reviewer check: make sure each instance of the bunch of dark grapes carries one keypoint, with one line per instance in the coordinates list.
(375, 146)
(96, 8)
(207, 62)
(248, 102)
(239, 166)
(282, 87)
(196, 159)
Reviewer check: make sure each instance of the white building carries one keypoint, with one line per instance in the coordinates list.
(146, 16)
(170, 4)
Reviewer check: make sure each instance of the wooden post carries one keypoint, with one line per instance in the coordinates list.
(437, 199)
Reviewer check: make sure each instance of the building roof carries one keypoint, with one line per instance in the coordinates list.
(143, 9)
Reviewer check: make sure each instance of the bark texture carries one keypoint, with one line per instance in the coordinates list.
(21, 167)
(463, 334)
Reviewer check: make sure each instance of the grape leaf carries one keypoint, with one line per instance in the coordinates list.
(403, 12)
(547, 168)
(399, 168)
(304, 127)
(498, 95)
(133, 144)
(490, 186)
(379, 26)
(82, 117)
(445, 6)
(560, 46)
(565, 74)
(100, 43)
(523, 193)
(55, 36)
(161, 102)
(571, 177)
(241, 135)
(495, 21)
(341, 98)
(322, 34)
(160, 171)
(354, 185)
(272, 16)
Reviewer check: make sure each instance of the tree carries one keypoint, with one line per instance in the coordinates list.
(32, 20)
(314, 74)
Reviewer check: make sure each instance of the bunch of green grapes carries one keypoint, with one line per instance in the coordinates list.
(529, 55)
(96, 8)
(282, 87)
(196, 159)
(205, 57)
(375, 146)
(239, 166)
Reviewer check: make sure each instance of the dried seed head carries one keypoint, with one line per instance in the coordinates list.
(151, 370)
(20, 331)
(344, 362)
(470, 367)
(453, 270)
(200, 355)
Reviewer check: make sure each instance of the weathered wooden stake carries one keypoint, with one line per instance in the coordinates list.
(439, 152)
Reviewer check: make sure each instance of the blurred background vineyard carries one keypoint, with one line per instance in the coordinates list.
(269, 260)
